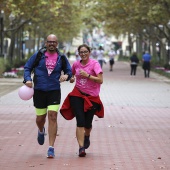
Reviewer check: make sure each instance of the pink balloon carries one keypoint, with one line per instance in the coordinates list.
(25, 92)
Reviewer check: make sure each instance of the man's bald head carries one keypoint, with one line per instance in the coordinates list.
(51, 43)
(51, 36)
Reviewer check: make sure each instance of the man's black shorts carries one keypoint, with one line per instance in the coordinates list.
(42, 99)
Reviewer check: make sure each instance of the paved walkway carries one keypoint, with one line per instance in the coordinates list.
(134, 135)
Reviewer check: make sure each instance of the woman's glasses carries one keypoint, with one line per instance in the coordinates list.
(83, 52)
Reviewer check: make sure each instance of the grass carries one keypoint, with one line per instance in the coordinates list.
(161, 72)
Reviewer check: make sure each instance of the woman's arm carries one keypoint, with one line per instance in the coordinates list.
(98, 79)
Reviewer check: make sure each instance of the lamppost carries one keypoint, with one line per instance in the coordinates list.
(2, 32)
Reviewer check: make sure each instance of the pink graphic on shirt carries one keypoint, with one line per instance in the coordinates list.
(83, 81)
(51, 60)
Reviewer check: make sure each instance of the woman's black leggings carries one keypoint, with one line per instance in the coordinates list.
(84, 119)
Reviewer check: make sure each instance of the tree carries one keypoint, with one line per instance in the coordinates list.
(122, 16)
(59, 17)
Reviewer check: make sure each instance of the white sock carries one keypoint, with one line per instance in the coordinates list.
(41, 132)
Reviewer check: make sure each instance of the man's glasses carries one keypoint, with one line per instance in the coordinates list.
(85, 52)
(52, 42)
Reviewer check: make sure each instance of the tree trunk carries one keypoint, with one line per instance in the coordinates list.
(154, 54)
(11, 49)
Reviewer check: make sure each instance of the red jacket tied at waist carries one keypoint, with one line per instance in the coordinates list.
(67, 112)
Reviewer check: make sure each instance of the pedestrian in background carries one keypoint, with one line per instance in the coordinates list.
(77, 55)
(111, 55)
(68, 54)
(84, 101)
(146, 63)
(94, 53)
(134, 61)
(47, 92)
(100, 56)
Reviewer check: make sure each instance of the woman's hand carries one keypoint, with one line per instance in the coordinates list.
(72, 79)
(83, 73)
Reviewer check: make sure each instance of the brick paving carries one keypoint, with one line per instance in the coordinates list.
(133, 135)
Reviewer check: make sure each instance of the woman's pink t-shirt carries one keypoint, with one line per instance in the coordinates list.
(50, 62)
(85, 84)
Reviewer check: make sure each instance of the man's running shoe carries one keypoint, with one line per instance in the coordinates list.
(86, 142)
(82, 152)
(50, 153)
(41, 137)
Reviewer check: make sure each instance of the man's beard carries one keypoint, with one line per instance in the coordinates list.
(52, 49)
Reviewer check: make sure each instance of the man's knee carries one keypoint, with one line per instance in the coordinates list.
(52, 115)
(41, 119)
